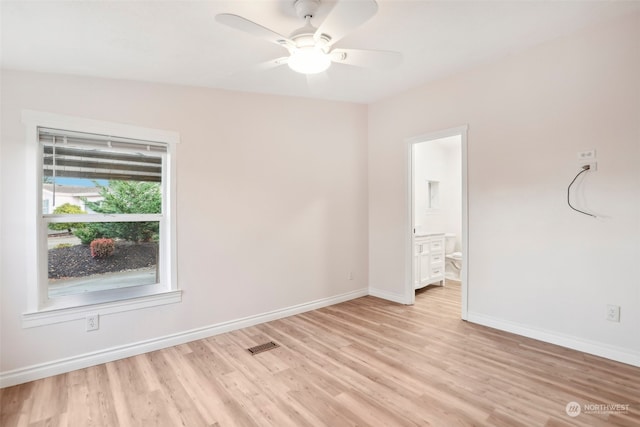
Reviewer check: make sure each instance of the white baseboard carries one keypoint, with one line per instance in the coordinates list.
(61, 366)
(592, 347)
(399, 298)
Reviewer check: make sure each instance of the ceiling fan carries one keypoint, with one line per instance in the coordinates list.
(311, 50)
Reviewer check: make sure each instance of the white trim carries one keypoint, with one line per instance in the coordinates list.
(32, 178)
(47, 369)
(464, 269)
(409, 289)
(389, 296)
(48, 317)
(617, 354)
(169, 211)
(97, 217)
(33, 118)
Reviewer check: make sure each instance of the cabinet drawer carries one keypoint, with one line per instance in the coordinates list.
(437, 245)
(437, 271)
(437, 258)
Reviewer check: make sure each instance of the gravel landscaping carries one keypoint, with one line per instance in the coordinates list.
(76, 261)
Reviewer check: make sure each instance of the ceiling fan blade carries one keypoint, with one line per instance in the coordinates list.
(243, 24)
(345, 16)
(366, 58)
(272, 63)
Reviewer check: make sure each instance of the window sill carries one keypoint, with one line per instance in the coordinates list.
(51, 316)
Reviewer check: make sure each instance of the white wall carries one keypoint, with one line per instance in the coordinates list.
(272, 206)
(440, 161)
(535, 266)
(452, 196)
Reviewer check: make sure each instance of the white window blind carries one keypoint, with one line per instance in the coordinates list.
(92, 156)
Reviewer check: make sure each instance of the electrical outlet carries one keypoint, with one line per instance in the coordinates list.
(92, 322)
(613, 313)
(351, 275)
(593, 166)
(587, 155)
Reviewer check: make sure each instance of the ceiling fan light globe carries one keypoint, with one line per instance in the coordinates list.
(309, 60)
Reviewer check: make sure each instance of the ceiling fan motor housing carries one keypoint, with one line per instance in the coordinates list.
(306, 35)
(310, 53)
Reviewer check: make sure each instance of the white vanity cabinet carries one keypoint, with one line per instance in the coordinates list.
(428, 263)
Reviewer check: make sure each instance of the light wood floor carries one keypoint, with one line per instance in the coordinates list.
(366, 362)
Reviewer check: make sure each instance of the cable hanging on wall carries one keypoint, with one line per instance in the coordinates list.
(585, 168)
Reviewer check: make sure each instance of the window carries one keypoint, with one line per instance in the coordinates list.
(104, 235)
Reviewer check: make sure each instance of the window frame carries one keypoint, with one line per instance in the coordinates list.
(43, 310)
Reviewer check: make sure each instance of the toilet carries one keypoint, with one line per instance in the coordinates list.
(453, 259)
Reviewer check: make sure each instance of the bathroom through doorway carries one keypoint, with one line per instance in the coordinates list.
(438, 235)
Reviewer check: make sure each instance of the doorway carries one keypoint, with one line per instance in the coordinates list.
(437, 208)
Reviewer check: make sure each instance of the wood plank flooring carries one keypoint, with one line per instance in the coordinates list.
(366, 362)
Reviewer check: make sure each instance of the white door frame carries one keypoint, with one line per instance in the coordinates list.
(409, 291)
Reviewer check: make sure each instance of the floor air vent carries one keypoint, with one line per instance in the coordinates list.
(263, 347)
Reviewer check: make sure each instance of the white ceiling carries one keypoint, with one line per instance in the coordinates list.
(180, 42)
